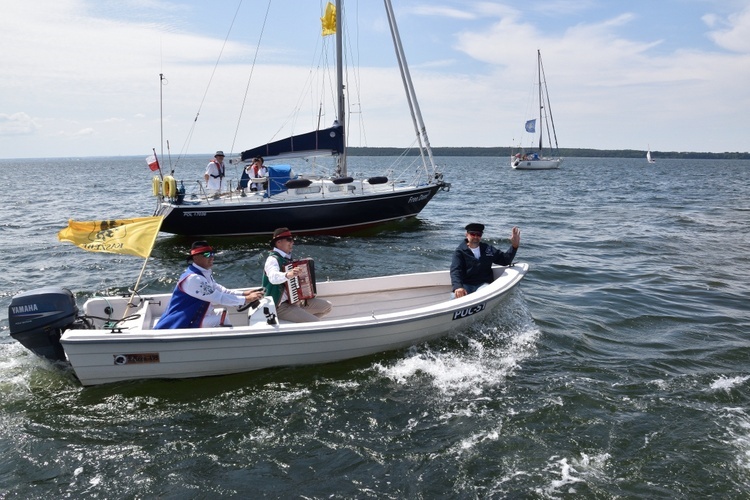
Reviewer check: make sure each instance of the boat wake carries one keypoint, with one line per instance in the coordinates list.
(473, 362)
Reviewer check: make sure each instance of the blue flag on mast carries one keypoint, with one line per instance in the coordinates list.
(531, 126)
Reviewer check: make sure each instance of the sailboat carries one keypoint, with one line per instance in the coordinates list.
(311, 203)
(648, 156)
(534, 158)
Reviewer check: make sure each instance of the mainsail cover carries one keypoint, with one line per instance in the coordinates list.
(328, 141)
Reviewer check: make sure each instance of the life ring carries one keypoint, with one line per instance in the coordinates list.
(169, 187)
(156, 186)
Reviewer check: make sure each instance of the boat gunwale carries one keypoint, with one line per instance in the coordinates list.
(494, 291)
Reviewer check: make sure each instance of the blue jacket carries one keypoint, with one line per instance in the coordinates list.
(467, 269)
(183, 310)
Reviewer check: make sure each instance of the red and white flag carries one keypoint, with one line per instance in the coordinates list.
(153, 163)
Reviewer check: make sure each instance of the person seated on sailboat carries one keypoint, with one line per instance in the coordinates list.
(215, 173)
(275, 279)
(244, 181)
(257, 170)
(471, 266)
(196, 293)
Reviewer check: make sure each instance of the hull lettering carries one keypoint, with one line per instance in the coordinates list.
(417, 199)
(469, 311)
(135, 359)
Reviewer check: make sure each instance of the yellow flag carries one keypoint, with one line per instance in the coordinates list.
(329, 20)
(125, 236)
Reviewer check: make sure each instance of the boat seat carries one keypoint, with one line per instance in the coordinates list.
(142, 313)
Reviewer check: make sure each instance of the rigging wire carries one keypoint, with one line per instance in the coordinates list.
(249, 79)
(357, 82)
(208, 85)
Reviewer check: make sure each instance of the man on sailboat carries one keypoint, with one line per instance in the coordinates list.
(215, 173)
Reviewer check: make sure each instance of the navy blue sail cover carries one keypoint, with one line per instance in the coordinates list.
(328, 141)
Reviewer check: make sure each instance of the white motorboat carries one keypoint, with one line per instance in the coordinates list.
(112, 340)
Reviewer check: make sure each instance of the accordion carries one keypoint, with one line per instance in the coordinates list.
(302, 286)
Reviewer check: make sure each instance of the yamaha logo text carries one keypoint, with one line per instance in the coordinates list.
(24, 309)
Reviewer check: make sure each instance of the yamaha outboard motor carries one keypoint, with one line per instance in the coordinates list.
(39, 317)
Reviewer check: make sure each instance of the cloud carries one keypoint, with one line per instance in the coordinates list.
(436, 10)
(17, 124)
(732, 33)
(84, 132)
(91, 71)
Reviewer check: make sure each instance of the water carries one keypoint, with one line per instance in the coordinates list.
(618, 368)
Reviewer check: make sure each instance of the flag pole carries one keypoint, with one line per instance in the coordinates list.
(158, 164)
(143, 269)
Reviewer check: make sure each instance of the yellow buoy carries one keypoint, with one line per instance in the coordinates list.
(169, 187)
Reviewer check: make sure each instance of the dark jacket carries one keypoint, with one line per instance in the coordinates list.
(466, 269)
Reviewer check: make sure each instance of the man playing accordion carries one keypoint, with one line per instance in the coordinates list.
(281, 282)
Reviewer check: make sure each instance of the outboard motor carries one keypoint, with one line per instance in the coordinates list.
(39, 317)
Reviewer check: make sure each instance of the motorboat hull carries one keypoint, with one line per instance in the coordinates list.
(369, 316)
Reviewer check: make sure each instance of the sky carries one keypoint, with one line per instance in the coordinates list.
(81, 78)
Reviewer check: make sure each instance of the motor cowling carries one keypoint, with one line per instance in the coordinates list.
(39, 317)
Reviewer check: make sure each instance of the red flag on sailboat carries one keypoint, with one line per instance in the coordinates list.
(153, 163)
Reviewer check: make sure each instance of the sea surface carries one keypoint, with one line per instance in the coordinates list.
(618, 368)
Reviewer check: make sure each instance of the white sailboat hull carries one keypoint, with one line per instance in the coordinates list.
(541, 164)
(369, 316)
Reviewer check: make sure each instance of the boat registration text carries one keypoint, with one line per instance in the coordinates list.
(465, 313)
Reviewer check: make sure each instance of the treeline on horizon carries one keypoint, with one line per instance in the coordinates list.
(564, 152)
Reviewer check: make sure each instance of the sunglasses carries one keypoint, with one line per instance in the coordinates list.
(208, 254)
(474, 233)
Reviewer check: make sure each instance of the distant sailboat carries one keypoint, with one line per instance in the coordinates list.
(534, 159)
(648, 156)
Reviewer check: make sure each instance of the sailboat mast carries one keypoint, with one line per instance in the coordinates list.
(340, 85)
(541, 101)
(411, 96)
(161, 112)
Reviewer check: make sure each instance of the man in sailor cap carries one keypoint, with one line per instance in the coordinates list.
(471, 266)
